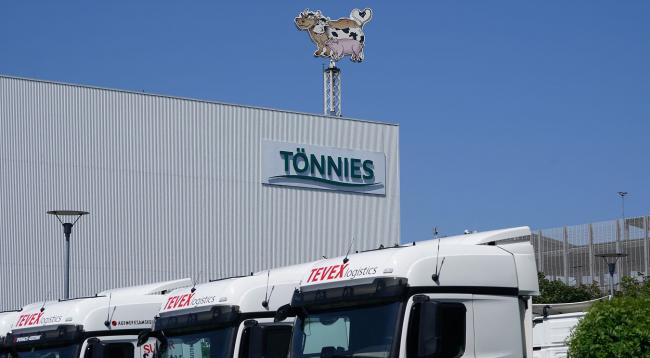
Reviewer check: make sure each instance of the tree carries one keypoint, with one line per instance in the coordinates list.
(635, 286)
(554, 291)
(616, 328)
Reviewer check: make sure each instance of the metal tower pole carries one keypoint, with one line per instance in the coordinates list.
(332, 90)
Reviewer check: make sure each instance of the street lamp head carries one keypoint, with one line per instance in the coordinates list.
(67, 212)
(622, 193)
(611, 256)
(610, 259)
(67, 226)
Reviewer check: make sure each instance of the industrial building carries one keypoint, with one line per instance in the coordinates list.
(180, 188)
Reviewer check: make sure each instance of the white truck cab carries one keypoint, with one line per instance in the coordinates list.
(463, 296)
(232, 317)
(7, 318)
(104, 325)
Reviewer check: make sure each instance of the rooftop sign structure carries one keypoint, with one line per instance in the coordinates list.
(335, 39)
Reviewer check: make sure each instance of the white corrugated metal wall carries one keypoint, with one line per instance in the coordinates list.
(173, 187)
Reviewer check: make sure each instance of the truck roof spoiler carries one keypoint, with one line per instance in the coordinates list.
(487, 237)
(157, 288)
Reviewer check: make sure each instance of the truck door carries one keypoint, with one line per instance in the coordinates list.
(438, 326)
(498, 326)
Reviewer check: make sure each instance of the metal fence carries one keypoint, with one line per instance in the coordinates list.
(568, 253)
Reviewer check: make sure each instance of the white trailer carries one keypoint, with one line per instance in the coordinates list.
(464, 296)
(232, 317)
(105, 325)
(553, 324)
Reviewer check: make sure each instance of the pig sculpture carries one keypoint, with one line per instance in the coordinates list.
(345, 47)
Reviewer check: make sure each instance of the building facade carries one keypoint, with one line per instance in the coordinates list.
(180, 188)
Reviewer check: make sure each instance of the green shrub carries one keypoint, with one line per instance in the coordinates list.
(635, 286)
(616, 328)
(554, 291)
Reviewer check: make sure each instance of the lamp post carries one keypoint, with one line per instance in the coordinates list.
(67, 230)
(622, 229)
(610, 259)
(622, 194)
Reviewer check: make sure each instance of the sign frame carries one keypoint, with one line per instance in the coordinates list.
(300, 165)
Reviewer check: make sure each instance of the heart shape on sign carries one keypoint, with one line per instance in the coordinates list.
(361, 16)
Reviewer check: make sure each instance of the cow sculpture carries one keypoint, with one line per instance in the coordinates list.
(336, 38)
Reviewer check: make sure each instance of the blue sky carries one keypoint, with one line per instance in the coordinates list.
(511, 112)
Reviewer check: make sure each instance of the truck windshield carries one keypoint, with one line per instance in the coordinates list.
(70, 351)
(212, 344)
(351, 332)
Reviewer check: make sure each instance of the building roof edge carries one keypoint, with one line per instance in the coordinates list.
(192, 99)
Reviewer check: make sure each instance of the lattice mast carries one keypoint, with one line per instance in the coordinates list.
(332, 90)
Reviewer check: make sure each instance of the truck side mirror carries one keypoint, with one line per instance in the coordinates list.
(251, 340)
(265, 341)
(161, 344)
(255, 342)
(143, 337)
(429, 332)
(282, 313)
(94, 348)
(424, 339)
(436, 329)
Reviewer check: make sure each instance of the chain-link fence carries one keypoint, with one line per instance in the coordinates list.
(568, 253)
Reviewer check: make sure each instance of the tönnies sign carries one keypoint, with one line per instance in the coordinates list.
(306, 166)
